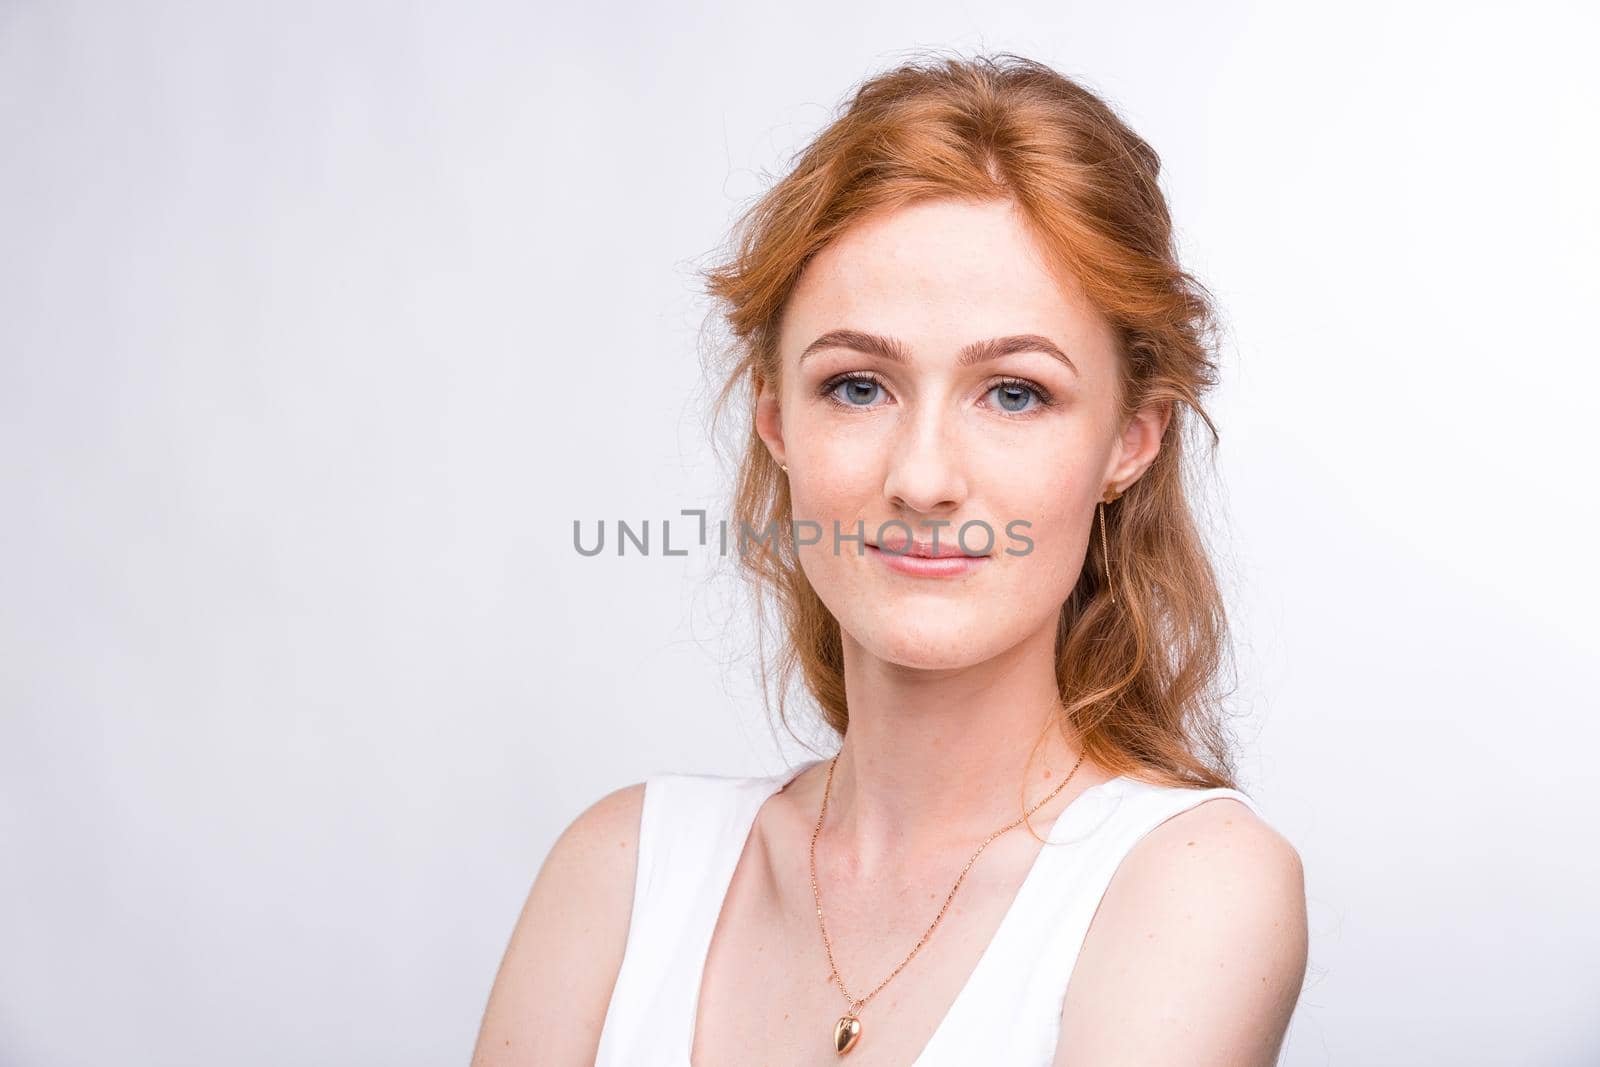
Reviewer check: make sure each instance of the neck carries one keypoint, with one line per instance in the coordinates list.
(939, 760)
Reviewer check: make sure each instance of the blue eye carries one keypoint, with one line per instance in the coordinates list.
(1013, 396)
(856, 390)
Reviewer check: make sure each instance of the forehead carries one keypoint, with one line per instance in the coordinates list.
(940, 272)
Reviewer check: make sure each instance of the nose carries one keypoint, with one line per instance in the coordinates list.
(926, 472)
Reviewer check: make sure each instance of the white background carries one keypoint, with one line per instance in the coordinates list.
(321, 323)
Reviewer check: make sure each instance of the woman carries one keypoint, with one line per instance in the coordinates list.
(972, 356)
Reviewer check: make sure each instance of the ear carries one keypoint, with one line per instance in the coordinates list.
(1138, 445)
(769, 418)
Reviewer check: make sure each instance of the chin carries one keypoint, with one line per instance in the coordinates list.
(940, 644)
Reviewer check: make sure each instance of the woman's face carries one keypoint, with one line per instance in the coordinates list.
(937, 375)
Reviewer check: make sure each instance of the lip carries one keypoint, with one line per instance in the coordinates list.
(928, 566)
(897, 545)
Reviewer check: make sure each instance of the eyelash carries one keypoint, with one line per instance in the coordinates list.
(1043, 394)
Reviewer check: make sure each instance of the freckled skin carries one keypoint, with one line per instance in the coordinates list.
(934, 441)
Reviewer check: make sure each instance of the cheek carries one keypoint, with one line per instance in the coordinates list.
(1054, 561)
(1047, 484)
(843, 444)
(824, 495)
(836, 475)
(1056, 514)
(828, 492)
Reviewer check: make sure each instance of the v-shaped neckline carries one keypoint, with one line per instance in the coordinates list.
(783, 781)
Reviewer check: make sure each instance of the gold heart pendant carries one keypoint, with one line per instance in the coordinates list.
(846, 1032)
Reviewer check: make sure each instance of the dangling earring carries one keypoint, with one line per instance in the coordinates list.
(1105, 552)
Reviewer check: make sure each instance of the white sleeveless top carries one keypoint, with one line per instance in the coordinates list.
(693, 829)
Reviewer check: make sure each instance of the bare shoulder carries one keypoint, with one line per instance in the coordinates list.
(1198, 950)
(554, 984)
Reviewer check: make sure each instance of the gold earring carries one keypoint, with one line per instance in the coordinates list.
(785, 467)
(1105, 552)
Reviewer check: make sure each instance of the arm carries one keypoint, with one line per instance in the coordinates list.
(554, 985)
(1197, 952)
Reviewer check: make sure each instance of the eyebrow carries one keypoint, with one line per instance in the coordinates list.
(895, 351)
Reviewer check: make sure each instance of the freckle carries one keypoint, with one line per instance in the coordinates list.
(1191, 842)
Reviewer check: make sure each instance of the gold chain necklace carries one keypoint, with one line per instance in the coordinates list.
(847, 1031)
